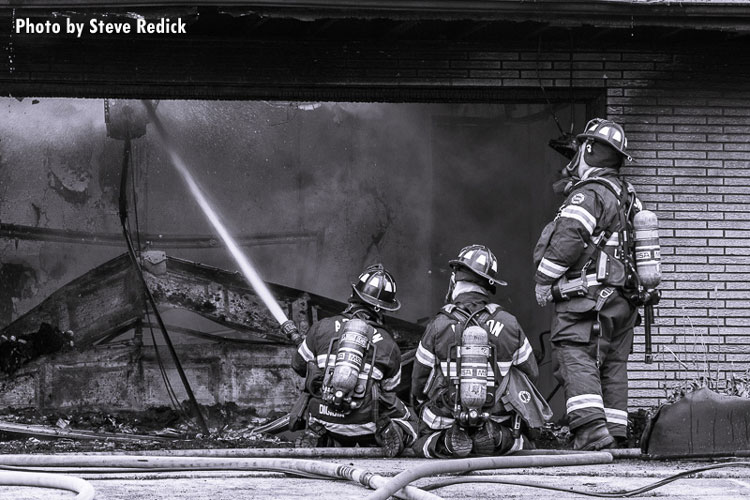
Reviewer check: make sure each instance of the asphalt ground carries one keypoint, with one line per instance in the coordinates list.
(622, 474)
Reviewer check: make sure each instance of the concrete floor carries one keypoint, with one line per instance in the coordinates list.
(722, 484)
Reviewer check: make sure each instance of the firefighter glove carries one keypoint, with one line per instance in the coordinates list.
(543, 294)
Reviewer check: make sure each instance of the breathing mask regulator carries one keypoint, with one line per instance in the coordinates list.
(472, 359)
(345, 380)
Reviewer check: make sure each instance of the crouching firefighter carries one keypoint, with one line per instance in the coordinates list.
(352, 367)
(473, 376)
(587, 263)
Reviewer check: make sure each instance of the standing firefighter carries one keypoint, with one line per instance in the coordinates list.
(352, 366)
(472, 379)
(585, 265)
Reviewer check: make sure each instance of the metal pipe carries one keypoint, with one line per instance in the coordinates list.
(188, 241)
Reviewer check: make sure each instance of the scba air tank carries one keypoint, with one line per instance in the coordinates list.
(647, 250)
(350, 357)
(475, 353)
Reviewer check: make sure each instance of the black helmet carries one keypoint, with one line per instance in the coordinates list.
(609, 133)
(377, 287)
(479, 260)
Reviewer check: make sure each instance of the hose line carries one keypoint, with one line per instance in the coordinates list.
(473, 464)
(34, 479)
(287, 465)
(618, 494)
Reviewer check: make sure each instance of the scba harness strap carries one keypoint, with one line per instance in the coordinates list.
(626, 199)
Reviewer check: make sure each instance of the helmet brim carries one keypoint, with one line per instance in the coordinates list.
(582, 137)
(493, 281)
(386, 306)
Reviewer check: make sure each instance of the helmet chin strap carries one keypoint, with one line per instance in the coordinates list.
(451, 287)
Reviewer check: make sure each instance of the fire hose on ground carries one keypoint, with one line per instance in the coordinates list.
(311, 468)
(320, 470)
(83, 488)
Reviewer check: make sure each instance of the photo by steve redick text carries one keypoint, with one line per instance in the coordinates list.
(96, 26)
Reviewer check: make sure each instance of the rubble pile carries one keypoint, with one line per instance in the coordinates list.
(229, 426)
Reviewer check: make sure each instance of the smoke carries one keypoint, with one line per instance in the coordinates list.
(341, 186)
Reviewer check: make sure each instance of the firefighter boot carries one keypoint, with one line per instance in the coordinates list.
(593, 436)
(390, 437)
(455, 442)
(492, 439)
(310, 437)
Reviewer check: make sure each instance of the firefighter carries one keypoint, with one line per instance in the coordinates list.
(582, 266)
(447, 428)
(370, 413)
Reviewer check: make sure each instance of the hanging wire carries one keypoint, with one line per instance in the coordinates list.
(544, 91)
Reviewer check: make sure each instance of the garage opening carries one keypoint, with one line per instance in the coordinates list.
(314, 191)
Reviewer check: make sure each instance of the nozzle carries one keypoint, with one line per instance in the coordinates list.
(289, 329)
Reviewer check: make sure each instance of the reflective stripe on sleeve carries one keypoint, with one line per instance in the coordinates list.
(581, 215)
(305, 352)
(390, 384)
(549, 268)
(522, 353)
(424, 356)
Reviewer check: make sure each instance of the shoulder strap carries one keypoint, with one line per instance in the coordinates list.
(463, 316)
(614, 188)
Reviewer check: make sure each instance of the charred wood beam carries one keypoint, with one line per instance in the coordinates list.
(32, 233)
(259, 339)
(92, 305)
(225, 298)
(55, 432)
(108, 300)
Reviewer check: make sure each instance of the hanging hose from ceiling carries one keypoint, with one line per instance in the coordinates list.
(83, 488)
(123, 213)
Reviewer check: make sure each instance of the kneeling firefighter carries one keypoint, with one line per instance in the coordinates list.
(473, 376)
(352, 367)
(587, 263)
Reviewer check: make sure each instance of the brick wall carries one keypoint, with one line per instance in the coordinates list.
(685, 110)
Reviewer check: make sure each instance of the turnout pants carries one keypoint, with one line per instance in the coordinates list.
(591, 367)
